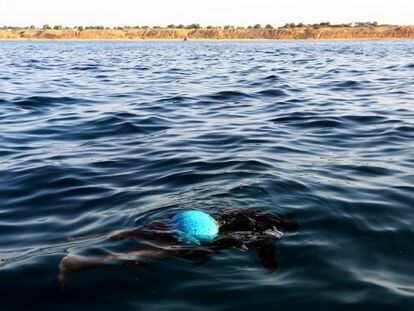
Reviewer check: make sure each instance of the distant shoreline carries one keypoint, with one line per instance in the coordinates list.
(299, 33)
(200, 40)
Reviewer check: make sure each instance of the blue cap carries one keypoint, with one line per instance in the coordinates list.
(194, 227)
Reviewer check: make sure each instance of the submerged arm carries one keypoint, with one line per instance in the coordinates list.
(155, 229)
(115, 235)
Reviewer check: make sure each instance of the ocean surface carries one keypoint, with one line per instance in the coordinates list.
(101, 136)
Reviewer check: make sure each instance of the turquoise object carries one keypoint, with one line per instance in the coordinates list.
(194, 227)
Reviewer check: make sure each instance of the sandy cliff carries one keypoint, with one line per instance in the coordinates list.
(325, 33)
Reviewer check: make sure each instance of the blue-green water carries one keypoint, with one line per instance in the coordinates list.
(98, 136)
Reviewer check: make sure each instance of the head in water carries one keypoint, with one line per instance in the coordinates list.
(195, 227)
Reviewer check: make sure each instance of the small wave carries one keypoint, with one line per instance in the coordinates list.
(109, 126)
(364, 119)
(342, 85)
(366, 170)
(175, 99)
(85, 68)
(182, 178)
(347, 84)
(217, 140)
(141, 68)
(272, 78)
(228, 95)
(324, 123)
(44, 101)
(272, 93)
(295, 117)
(405, 129)
(309, 120)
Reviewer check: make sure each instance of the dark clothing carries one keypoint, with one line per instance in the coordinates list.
(241, 229)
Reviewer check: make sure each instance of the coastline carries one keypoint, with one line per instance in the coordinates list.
(305, 33)
(201, 40)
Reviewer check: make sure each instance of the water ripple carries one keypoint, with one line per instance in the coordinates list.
(101, 136)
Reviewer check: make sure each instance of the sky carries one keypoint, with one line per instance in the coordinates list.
(207, 12)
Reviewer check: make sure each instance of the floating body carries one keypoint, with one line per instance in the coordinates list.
(195, 236)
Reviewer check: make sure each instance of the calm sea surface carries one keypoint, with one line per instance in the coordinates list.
(98, 136)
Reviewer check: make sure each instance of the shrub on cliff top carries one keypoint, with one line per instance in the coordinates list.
(193, 26)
